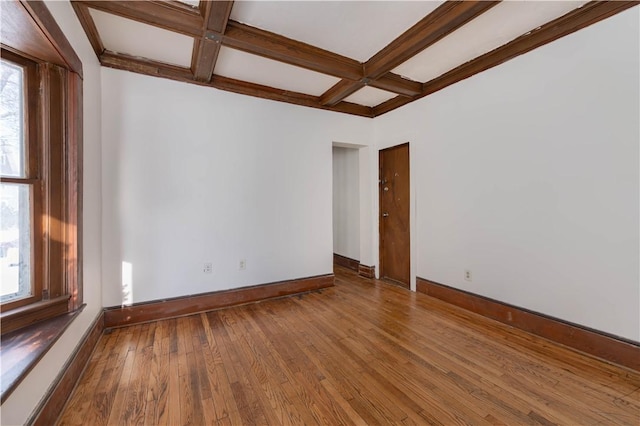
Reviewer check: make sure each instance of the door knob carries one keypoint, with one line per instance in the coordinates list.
(385, 214)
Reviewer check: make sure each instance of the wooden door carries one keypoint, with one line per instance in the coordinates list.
(394, 215)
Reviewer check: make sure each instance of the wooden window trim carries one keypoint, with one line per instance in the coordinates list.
(54, 92)
(30, 31)
(32, 171)
(52, 168)
(20, 352)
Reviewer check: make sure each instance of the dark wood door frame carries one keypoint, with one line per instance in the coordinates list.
(394, 216)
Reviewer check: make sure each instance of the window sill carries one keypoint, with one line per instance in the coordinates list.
(25, 316)
(20, 350)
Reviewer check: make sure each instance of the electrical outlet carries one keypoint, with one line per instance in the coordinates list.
(207, 268)
(467, 275)
(243, 264)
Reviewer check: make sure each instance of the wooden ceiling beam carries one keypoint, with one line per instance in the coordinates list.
(571, 22)
(236, 35)
(444, 20)
(82, 11)
(145, 66)
(204, 58)
(257, 90)
(390, 82)
(215, 16)
(169, 15)
(397, 84)
(341, 90)
(210, 26)
(158, 69)
(273, 46)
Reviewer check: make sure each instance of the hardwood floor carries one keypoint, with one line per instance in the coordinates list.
(362, 352)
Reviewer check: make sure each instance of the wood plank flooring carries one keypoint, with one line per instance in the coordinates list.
(362, 352)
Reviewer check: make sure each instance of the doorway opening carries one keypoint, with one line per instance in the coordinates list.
(346, 207)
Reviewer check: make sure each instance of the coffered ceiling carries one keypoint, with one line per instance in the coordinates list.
(358, 57)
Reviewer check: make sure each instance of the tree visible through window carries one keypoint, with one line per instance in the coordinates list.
(16, 195)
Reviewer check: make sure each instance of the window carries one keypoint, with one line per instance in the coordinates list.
(40, 169)
(20, 189)
(40, 186)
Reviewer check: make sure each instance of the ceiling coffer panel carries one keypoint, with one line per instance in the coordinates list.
(370, 96)
(358, 57)
(136, 39)
(244, 66)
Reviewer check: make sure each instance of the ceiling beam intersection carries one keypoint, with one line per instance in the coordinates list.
(571, 22)
(176, 17)
(215, 16)
(447, 18)
(159, 69)
(211, 27)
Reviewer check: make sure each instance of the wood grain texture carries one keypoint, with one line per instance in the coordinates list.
(73, 199)
(172, 16)
(362, 352)
(33, 177)
(211, 28)
(206, 49)
(53, 38)
(21, 350)
(274, 46)
(54, 401)
(180, 306)
(54, 123)
(158, 69)
(346, 262)
(19, 32)
(448, 17)
(395, 233)
(24, 316)
(395, 83)
(266, 92)
(590, 13)
(589, 341)
(42, 17)
(89, 27)
(145, 66)
(53, 157)
(216, 14)
(204, 58)
(236, 35)
(340, 90)
(366, 271)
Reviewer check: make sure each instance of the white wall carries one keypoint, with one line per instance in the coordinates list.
(194, 175)
(346, 202)
(528, 175)
(20, 404)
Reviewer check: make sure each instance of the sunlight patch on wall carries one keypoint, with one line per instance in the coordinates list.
(127, 283)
